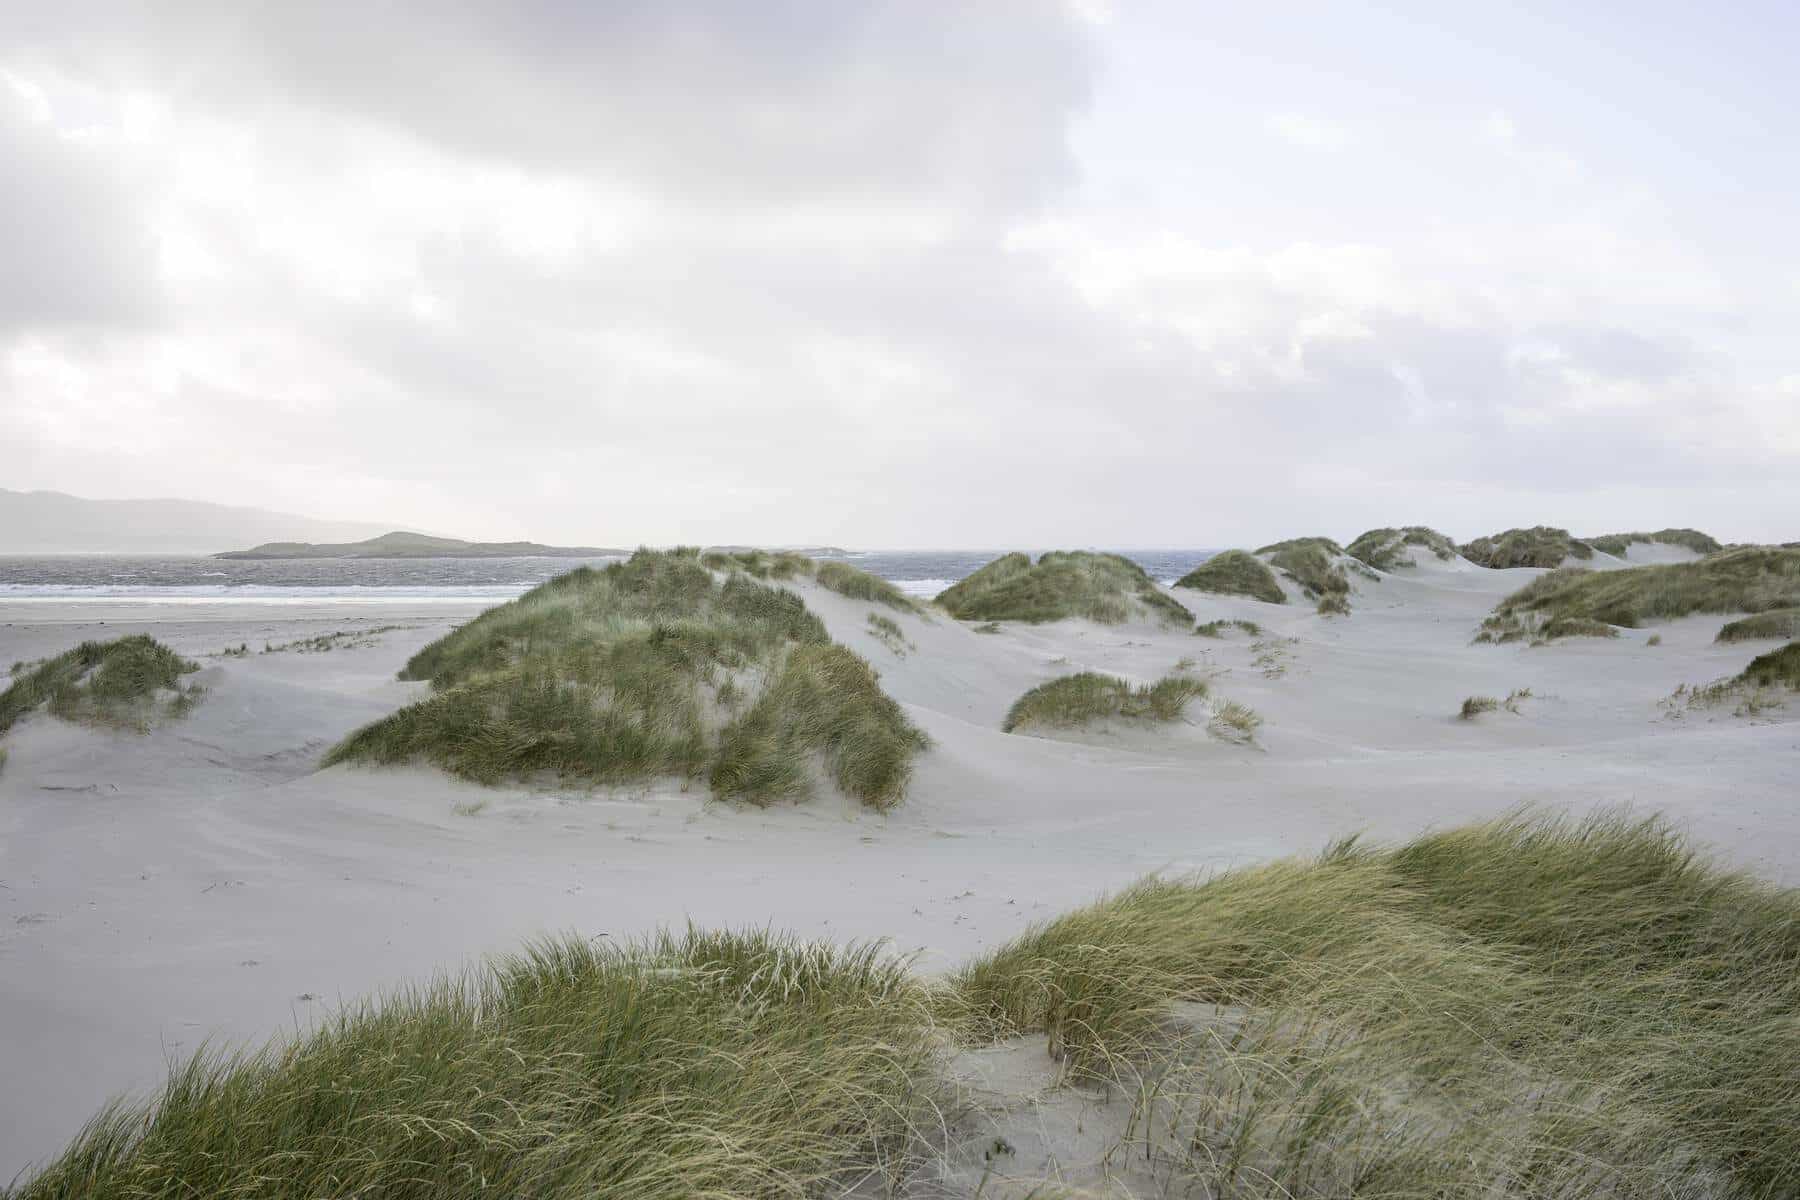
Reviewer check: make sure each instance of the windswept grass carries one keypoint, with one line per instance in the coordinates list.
(1777, 668)
(1777, 623)
(1474, 706)
(1386, 549)
(847, 580)
(1530, 1007)
(824, 701)
(1333, 604)
(1309, 563)
(695, 1065)
(759, 564)
(1086, 697)
(1062, 584)
(1539, 546)
(116, 683)
(1752, 579)
(632, 672)
(1235, 573)
(1616, 544)
(1214, 629)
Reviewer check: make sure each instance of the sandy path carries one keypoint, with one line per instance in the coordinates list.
(205, 882)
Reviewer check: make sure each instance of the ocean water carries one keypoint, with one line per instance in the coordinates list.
(198, 580)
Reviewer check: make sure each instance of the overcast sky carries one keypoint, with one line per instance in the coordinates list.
(907, 274)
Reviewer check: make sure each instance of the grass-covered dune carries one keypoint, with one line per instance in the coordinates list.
(760, 564)
(1235, 573)
(651, 667)
(124, 683)
(1088, 696)
(1751, 579)
(1061, 584)
(1388, 549)
(1616, 544)
(1311, 562)
(1529, 1007)
(1539, 546)
(1776, 623)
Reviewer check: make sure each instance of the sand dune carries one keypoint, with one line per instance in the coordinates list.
(205, 882)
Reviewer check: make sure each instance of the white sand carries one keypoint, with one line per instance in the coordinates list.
(205, 883)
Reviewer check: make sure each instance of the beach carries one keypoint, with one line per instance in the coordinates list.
(206, 884)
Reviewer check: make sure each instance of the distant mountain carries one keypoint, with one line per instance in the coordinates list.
(400, 544)
(54, 523)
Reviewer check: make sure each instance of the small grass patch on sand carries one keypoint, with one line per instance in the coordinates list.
(1386, 549)
(126, 683)
(342, 639)
(1767, 683)
(1474, 706)
(1776, 623)
(1062, 584)
(1616, 544)
(1235, 573)
(1086, 697)
(1751, 579)
(1234, 722)
(887, 631)
(638, 670)
(847, 580)
(1333, 604)
(1216, 629)
(1539, 546)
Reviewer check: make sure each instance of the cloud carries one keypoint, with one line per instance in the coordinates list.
(794, 271)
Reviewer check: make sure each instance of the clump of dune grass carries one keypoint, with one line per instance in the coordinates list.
(1654, 639)
(1616, 544)
(1751, 579)
(1235, 573)
(1234, 722)
(633, 671)
(988, 627)
(1777, 668)
(1766, 683)
(824, 701)
(124, 683)
(691, 1065)
(1777, 623)
(1539, 546)
(1216, 629)
(1386, 549)
(759, 564)
(1474, 706)
(1087, 697)
(887, 631)
(1060, 585)
(847, 580)
(1333, 604)
(1529, 1007)
(1309, 562)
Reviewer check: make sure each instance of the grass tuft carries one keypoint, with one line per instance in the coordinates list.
(1309, 563)
(1474, 706)
(1539, 546)
(1062, 584)
(1088, 696)
(1776, 623)
(692, 1065)
(1214, 629)
(114, 683)
(1751, 579)
(847, 580)
(1386, 549)
(1616, 544)
(631, 672)
(1235, 573)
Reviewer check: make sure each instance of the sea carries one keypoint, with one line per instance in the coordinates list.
(75, 578)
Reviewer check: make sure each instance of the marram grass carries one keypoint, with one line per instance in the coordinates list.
(115, 683)
(1750, 579)
(637, 671)
(1539, 546)
(857, 584)
(1235, 573)
(1062, 584)
(1386, 549)
(1617, 544)
(1532, 1007)
(1088, 696)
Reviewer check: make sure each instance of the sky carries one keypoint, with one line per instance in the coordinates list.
(907, 274)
